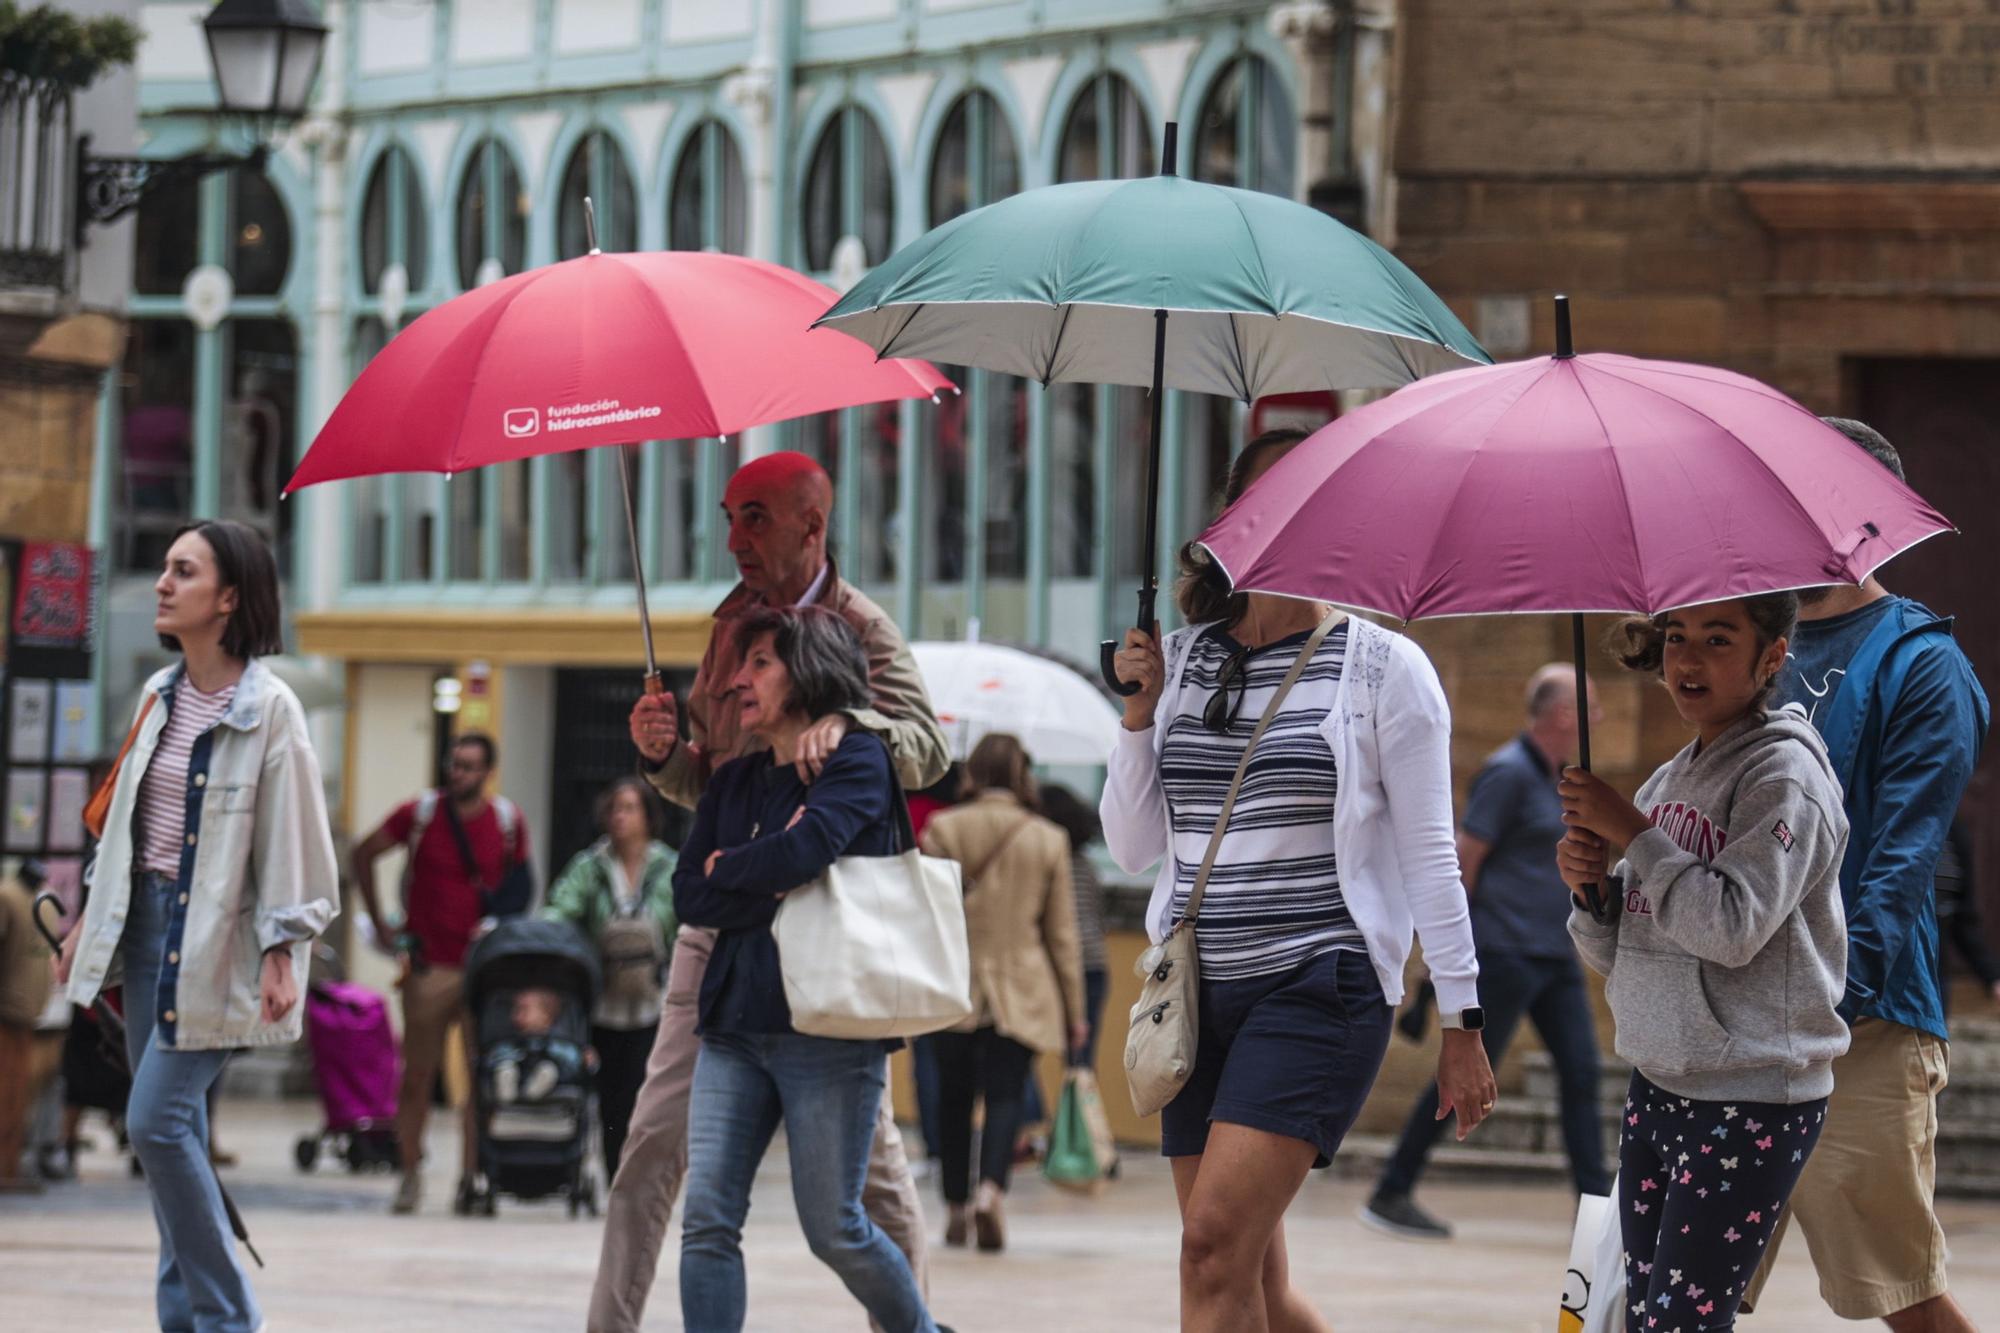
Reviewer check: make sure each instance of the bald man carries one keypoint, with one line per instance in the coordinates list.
(1527, 965)
(778, 508)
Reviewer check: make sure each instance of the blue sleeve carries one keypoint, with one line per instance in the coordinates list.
(1494, 801)
(697, 900)
(850, 795)
(1930, 743)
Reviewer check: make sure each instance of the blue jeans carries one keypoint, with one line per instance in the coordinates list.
(202, 1285)
(1550, 993)
(825, 1093)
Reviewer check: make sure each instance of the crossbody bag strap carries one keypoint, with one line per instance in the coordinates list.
(1306, 652)
(986, 863)
(459, 836)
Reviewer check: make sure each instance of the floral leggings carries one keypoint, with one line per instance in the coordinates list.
(1700, 1188)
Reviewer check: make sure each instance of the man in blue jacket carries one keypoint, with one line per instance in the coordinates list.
(1903, 718)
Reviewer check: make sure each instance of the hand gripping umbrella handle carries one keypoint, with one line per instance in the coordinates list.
(1107, 651)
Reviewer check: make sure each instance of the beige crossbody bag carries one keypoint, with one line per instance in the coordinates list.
(1160, 1044)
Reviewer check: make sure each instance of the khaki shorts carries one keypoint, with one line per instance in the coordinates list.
(1864, 1201)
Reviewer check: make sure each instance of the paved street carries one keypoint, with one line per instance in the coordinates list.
(80, 1258)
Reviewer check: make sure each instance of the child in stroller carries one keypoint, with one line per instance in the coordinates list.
(531, 985)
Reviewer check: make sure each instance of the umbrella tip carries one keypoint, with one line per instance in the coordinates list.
(1169, 156)
(1564, 350)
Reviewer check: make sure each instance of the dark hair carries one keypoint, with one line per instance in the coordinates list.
(1872, 440)
(1001, 761)
(656, 817)
(1202, 591)
(243, 562)
(1077, 819)
(820, 652)
(1641, 642)
(481, 740)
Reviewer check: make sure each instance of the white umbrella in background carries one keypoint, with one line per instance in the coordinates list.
(1061, 715)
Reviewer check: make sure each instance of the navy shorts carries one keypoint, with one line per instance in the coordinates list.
(1293, 1053)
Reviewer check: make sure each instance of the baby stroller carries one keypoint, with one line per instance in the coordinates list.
(355, 1065)
(534, 1092)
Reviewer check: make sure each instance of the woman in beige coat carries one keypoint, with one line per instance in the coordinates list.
(1027, 974)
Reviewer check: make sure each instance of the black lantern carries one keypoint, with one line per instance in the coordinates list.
(265, 55)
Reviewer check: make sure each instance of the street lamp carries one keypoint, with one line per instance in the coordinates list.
(265, 55)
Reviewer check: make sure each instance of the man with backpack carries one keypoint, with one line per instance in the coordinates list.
(467, 860)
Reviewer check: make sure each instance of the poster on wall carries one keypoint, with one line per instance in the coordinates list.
(69, 792)
(75, 721)
(27, 798)
(52, 597)
(31, 708)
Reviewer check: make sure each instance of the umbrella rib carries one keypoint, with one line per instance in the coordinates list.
(1638, 555)
(1048, 371)
(1236, 346)
(901, 329)
(479, 359)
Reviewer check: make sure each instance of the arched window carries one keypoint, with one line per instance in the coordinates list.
(492, 217)
(392, 223)
(706, 205)
(597, 169)
(1106, 136)
(975, 162)
(1246, 136)
(849, 191)
(260, 235)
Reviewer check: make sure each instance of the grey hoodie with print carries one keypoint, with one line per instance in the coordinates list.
(1724, 950)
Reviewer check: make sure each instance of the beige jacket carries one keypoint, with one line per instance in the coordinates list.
(1020, 917)
(901, 716)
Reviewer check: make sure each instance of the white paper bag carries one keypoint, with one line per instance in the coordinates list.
(1593, 1291)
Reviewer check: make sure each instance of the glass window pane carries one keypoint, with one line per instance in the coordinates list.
(597, 169)
(1130, 427)
(1006, 527)
(422, 497)
(517, 499)
(260, 235)
(1101, 146)
(876, 433)
(945, 441)
(168, 243)
(975, 134)
(676, 464)
(878, 193)
(465, 496)
(568, 516)
(1072, 480)
(369, 503)
(696, 220)
(1246, 100)
(843, 196)
(393, 229)
(614, 537)
(155, 478)
(259, 426)
(492, 217)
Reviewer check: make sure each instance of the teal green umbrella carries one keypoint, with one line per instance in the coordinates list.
(1159, 282)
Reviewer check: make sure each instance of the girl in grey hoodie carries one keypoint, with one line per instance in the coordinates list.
(1722, 941)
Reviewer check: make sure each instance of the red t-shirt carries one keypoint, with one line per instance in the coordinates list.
(443, 904)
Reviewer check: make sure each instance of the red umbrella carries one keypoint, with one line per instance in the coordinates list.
(603, 350)
(1568, 483)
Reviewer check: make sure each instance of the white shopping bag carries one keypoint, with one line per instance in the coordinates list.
(1594, 1287)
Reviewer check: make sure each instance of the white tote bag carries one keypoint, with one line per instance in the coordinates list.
(1593, 1295)
(876, 948)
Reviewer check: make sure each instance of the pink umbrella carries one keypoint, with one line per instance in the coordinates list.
(1568, 483)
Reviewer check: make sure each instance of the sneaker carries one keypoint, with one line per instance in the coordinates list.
(468, 1201)
(957, 1225)
(409, 1193)
(1398, 1215)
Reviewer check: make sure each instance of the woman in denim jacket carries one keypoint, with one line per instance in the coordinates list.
(215, 874)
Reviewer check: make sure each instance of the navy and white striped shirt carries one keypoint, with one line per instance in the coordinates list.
(1273, 900)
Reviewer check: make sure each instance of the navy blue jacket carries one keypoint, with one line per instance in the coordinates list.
(1904, 732)
(850, 810)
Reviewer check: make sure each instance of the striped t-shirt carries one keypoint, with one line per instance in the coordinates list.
(1273, 899)
(163, 791)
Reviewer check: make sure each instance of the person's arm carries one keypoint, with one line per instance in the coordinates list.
(1059, 936)
(697, 900)
(1497, 797)
(1782, 842)
(685, 774)
(851, 794)
(297, 873)
(393, 832)
(1930, 741)
(573, 895)
(1472, 853)
(901, 715)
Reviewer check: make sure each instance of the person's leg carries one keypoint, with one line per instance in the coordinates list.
(924, 1070)
(1005, 1072)
(733, 1109)
(655, 1155)
(1642, 1176)
(621, 1069)
(1240, 1188)
(1865, 1201)
(889, 1194)
(831, 1093)
(427, 1015)
(958, 1088)
(1505, 984)
(1096, 986)
(1561, 1013)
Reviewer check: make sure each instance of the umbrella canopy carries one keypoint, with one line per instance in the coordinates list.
(1587, 483)
(977, 688)
(1061, 284)
(604, 349)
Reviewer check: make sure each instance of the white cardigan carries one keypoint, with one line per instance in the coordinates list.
(1390, 732)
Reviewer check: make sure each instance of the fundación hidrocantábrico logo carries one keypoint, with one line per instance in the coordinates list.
(521, 422)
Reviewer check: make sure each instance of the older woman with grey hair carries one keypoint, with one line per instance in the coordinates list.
(760, 832)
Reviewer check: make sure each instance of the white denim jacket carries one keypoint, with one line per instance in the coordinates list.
(259, 869)
(1390, 733)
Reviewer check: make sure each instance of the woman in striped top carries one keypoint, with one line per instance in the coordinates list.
(1339, 843)
(214, 875)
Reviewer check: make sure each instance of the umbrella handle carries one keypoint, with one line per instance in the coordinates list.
(653, 683)
(48, 900)
(1107, 651)
(1593, 895)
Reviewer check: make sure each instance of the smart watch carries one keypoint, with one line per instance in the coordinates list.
(1470, 1019)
